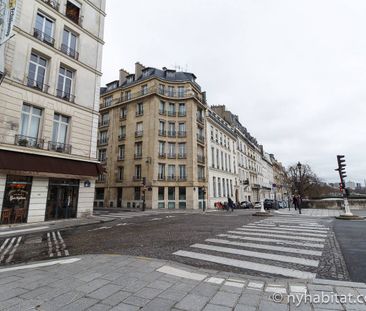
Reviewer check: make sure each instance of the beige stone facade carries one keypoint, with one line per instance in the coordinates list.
(152, 141)
(49, 104)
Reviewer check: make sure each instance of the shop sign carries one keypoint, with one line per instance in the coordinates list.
(18, 195)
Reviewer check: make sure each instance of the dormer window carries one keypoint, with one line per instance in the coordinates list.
(146, 72)
(130, 79)
(170, 74)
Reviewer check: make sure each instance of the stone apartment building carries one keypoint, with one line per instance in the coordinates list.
(49, 103)
(152, 141)
(222, 162)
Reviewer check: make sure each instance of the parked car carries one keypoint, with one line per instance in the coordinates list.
(257, 204)
(269, 204)
(246, 204)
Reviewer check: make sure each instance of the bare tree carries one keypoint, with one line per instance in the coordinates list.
(302, 180)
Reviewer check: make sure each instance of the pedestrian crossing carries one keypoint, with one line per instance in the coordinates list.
(276, 246)
(40, 245)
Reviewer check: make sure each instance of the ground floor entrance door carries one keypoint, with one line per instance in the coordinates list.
(62, 199)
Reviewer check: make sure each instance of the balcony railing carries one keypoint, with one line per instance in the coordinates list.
(37, 85)
(162, 112)
(161, 177)
(172, 133)
(139, 133)
(53, 3)
(121, 137)
(102, 141)
(182, 178)
(182, 155)
(137, 178)
(171, 156)
(172, 113)
(171, 178)
(65, 96)
(30, 142)
(103, 123)
(201, 178)
(121, 157)
(189, 93)
(123, 116)
(138, 156)
(200, 138)
(182, 113)
(43, 37)
(59, 147)
(162, 133)
(182, 133)
(139, 113)
(201, 158)
(69, 51)
(162, 155)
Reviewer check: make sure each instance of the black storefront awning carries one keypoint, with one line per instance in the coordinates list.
(18, 161)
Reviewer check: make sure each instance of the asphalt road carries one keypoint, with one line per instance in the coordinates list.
(351, 236)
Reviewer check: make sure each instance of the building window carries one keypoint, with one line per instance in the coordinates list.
(162, 107)
(161, 203)
(182, 110)
(137, 194)
(171, 172)
(44, 29)
(121, 152)
(161, 171)
(231, 187)
(37, 72)
(182, 172)
(29, 126)
(222, 160)
(212, 132)
(73, 11)
(229, 163)
(69, 44)
(223, 188)
(213, 156)
(171, 111)
(217, 158)
(138, 150)
(182, 129)
(180, 91)
(103, 138)
(128, 95)
(60, 128)
(214, 186)
(108, 101)
(161, 149)
(102, 155)
(226, 168)
(138, 172)
(64, 85)
(139, 129)
(201, 173)
(120, 173)
(182, 197)
(219, 187)
(122, 132)
(171, 129)
(161, 89)
(139, 109)
(123, 113)
(182, 153)
(227, 187)
(171, 197)
(144, 89)
(171, 91)
(104, 119)
(171, 150)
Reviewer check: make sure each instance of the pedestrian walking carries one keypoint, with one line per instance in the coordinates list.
(294, 202)
(299, 201)
(230, 204)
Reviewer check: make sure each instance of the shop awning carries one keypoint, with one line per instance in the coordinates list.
(18, 161)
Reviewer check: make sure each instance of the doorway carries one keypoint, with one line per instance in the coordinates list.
(62, 199)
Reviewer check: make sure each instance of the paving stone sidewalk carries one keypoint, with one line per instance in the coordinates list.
(114, 282)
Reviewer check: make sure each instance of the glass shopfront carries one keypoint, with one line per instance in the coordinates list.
(62, 198)
(16, 199)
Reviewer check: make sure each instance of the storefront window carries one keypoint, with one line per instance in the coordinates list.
(16, 199)
(62, 199)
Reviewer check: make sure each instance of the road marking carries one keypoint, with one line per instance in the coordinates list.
(305, 227)
(277, 241)
(279, 231)
(4, 244)
(10, 245)
(43, 264)
(235, 251)
(214, 280)
(181, 273)
(100, 228)
(248, 265)
(234, 284)
(22, 230)
(297, 229)
(50, 252)
(154, 219)
(279, 236)
(56, 244)
(267, 247)
(11, 254)
(63, 245)
(311, 224)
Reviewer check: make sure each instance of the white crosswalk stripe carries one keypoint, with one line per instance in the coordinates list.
(8, 249)
(56, 245)
(290, 247)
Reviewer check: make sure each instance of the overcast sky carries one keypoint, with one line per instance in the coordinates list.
(293, 70)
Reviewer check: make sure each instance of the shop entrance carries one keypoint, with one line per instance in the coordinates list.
(16, 199)
(62, 198)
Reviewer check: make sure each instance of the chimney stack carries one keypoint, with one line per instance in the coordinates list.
(138, 70)
(122, 76)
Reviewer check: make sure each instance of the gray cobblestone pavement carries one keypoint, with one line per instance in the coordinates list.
(114, 282)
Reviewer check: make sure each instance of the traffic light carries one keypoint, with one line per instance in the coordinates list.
(341, 168)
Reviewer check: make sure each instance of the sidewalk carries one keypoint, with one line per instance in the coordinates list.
(312, 212)
(114, 282)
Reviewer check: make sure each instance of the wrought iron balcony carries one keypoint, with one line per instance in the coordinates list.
(139, 113)
(121, 137)
(172, 133)
(30, 142)
(171, 113)
(59, 147)
(103, 123)
(162, 133)
(171, 156)
(139, 133)
(162, 155)
(121, 157)
(69, 51)
(171, 178)
(161, 177)
(182, 178)
(200, 158)
(162, 112)
(200, 138)
(182, 133)
(102, 141)
(138, 156)
(37, 85)
(182, 155)
(182, 113)
(43, 37)
(65, 96)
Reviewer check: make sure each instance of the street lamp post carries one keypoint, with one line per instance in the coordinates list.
(299, 165)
